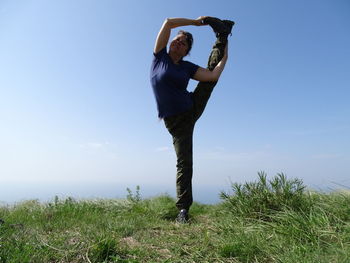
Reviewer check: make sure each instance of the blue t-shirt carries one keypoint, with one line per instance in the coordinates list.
(169, 82)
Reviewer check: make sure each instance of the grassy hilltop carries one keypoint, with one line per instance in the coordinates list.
(264, 221)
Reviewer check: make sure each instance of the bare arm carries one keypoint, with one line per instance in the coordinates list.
(169, 23)
(206, 75)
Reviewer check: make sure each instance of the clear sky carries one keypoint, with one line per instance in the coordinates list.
(77, 108)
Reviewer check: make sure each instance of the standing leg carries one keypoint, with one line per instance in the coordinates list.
(181, 128)
(183, 148)
(203, 90)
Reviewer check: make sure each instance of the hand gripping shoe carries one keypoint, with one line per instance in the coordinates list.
(221, 28)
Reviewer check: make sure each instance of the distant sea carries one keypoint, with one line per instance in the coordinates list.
(11, 193)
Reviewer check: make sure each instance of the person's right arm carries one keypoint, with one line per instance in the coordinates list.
(204, 74)
(169, 23)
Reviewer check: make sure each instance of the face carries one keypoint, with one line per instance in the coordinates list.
(179, 45)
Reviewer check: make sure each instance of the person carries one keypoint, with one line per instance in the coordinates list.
(180, 109)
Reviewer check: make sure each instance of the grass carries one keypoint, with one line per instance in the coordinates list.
(273, 220)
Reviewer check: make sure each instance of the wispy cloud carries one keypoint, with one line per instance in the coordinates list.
(94, 145)
(326, 156)
(104, 150)
(163, 149)
(220, 154)
(320, 131)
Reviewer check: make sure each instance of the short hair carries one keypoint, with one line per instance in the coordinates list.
(189, 39)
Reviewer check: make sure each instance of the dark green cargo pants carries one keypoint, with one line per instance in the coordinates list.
(181, 128)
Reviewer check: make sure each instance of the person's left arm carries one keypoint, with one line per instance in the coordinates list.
(205, 75)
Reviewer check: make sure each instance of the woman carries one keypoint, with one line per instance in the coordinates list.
(179, 108)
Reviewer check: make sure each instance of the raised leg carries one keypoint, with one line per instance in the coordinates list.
(203, 90)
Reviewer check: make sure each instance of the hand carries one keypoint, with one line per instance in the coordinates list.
(198, 21)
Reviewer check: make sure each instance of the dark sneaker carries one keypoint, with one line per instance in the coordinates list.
(229, 24)
(182, 217)
(216, 24)
(222, 28)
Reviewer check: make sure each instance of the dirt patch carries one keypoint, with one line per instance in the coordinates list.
(130, 242)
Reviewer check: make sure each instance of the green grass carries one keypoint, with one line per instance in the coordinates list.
(273, 220)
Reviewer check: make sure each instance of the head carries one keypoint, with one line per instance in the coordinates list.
(182, 43)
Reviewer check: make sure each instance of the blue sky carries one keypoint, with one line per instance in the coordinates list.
(77, 109)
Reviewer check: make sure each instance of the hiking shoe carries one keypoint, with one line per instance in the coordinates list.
(220, 28)
(216, 24)
(182, 217)
(229, 24)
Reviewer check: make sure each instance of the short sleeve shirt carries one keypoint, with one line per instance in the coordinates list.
(169, 82)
